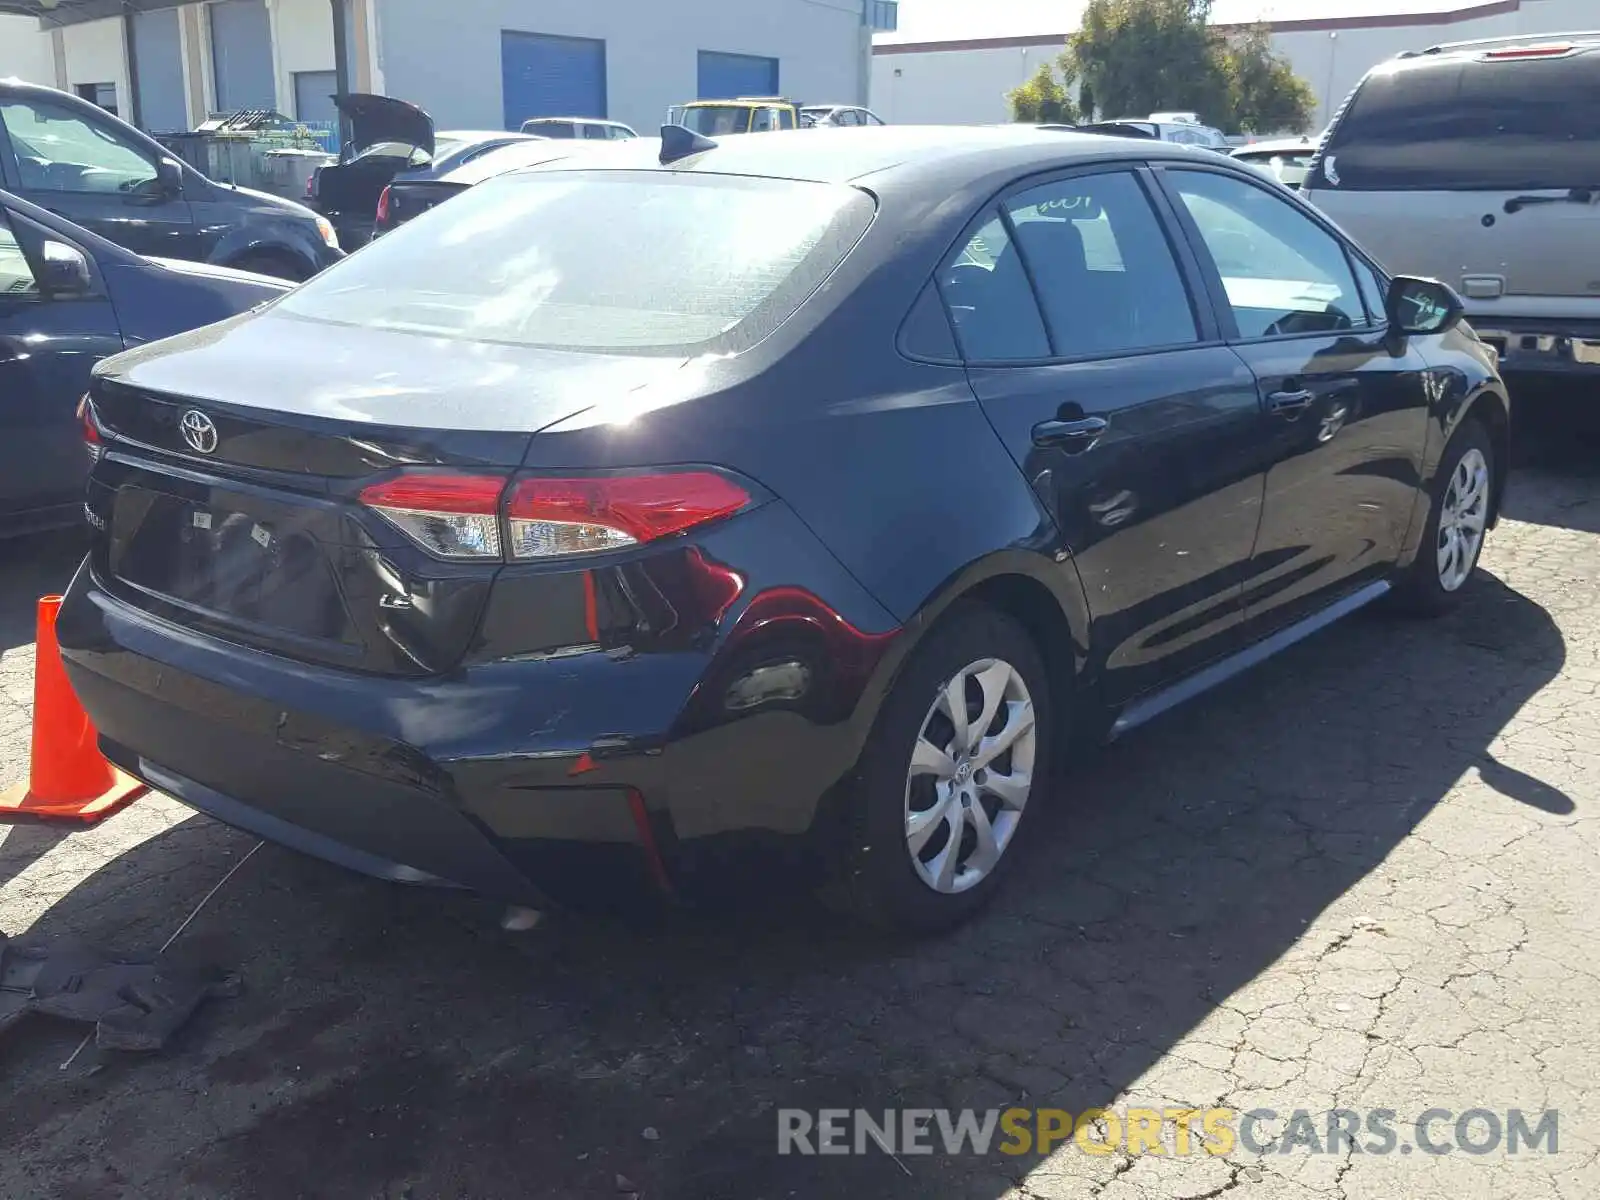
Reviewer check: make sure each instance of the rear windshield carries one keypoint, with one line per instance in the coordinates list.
(715, 119)
(626, 262)
(1510, 125)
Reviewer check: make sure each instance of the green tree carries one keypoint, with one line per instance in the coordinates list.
(1137, 57)
(1264, 92)
(1044, 99)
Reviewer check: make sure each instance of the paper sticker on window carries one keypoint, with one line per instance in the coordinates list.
(1077, 208)
(202, 520)
(261, 535)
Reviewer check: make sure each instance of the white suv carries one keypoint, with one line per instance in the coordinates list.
(1478, 163)
(588, 128)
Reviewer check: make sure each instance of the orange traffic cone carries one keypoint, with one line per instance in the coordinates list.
(68, 777)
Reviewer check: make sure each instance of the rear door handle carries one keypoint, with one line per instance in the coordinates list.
(1289, 404)
(1072, 436)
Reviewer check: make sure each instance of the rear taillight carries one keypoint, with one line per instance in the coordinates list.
(553, 517)
(383, 207)
(459, 516)
(93, 442)
(450, 516)
(311, 186)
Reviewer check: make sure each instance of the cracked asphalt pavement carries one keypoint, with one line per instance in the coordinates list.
(1361, 876)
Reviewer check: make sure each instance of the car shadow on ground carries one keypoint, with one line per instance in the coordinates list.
(1555, 444)
(393, 1042)
(40, 565)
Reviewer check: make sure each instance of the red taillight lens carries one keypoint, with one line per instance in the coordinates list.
(383, 207)
(452, 516)
(90, 428)
(1551, 50)
(458, 516)
(553, 517)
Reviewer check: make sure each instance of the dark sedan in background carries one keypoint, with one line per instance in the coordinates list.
(390, 140)
(67, 300)
(414, 193)
(77, 160)
(646, 524)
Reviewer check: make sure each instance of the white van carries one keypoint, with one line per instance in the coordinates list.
(1478, 163)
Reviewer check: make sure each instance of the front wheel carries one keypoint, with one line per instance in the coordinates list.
(1458, 519)
(961, 749)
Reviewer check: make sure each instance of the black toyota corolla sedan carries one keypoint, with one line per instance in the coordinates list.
(642, 525)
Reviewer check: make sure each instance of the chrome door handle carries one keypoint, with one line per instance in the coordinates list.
(1072, 436)
(1289, 404)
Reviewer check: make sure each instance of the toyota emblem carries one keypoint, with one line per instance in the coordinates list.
(198, 430)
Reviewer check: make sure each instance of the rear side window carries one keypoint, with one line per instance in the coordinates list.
(1499, 125)
(1105, 275)
(990, 300)
(622, 262)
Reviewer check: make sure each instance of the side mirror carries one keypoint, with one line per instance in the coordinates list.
(169, 177)
(1422, 306)
(66, 272)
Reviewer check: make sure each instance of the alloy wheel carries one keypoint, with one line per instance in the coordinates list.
(970, 775)
(1463, 516)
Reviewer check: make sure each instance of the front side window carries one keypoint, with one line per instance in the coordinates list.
(1283, 273)
(619, 262)
(1373, 290)
(1105, 275)
(16, 276)
(596, 133)
(986, 289)
(56, 150)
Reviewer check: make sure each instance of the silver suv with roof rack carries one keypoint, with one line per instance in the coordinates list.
(1478, 163)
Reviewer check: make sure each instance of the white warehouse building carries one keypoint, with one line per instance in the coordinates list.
(953, 61)
(470, 63)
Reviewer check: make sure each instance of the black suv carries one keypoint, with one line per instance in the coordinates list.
(75, 159)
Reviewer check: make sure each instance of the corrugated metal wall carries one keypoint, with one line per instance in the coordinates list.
(547, 76)
(723, 76)
(160, 54)
(241, 55)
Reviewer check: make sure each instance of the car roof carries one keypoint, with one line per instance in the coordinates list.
(479, 135)
(913, 153)
(1306, 145)
(1476, 50)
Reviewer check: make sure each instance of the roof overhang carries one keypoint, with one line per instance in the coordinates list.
(52, 13)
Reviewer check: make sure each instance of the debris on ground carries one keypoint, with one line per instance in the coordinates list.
(134, 1004)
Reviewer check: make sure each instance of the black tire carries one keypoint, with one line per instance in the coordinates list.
(1419, 589)
(876, 881)
(280, 265)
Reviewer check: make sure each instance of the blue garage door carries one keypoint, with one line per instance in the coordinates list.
(724, 76)
(155, 44)
(546, 76)
(241, 55)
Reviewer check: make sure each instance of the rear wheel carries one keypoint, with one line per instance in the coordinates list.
(1458, 519)
(960, 750)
